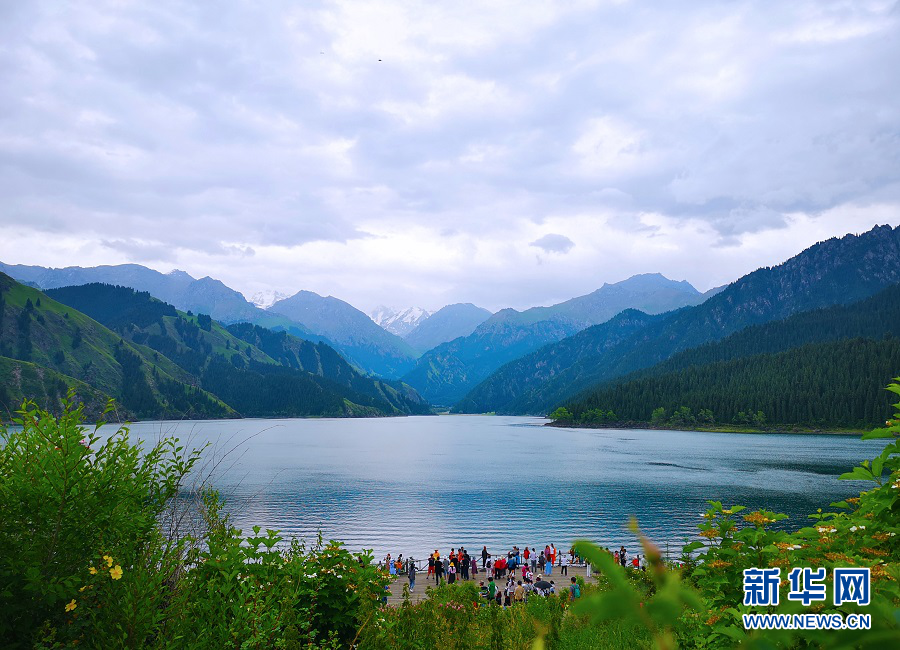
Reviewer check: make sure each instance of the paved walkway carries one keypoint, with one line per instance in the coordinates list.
(422, 583)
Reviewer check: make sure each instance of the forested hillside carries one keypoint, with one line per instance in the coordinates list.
(835, 384)
(257, 371)
(64, 345)
(158, 362)
(497, 390)
(833, 272)
(23, 381)
(875, 318)
(445, 373)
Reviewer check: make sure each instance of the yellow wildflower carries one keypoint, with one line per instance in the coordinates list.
(116, 572)
(82, 589)
(109, 560)
(71, 605)
(92, 571)
(757, 518)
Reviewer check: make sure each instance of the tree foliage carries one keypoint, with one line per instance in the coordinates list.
(94, 553)
(826, 384)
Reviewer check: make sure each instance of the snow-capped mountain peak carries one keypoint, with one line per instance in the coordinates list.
(399, 321)
(265, 299)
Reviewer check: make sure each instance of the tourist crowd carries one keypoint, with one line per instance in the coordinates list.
(523, 570)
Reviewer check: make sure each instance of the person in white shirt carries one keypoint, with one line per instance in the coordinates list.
(563, 564)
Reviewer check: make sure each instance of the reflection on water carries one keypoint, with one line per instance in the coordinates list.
(410, 485)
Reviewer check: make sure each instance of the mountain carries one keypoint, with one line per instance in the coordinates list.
(497, 389)
(399, 321)
(256, 371)
(391, 397)
(833, 384)
(446, 324)
(444, 374)
(652, 293)
(265, 299)
(47, 346)
(367, 345)
(448, 372)
(225, 305)
(167, 287)
(28, 381)
(833, 272)
(206, 295)
(876, 317)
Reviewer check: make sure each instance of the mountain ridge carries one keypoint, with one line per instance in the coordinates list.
(367, 344)
(400, 321)
(446, 324)
(835, 271)
(36, 329)
(159, 362)
(446, 373)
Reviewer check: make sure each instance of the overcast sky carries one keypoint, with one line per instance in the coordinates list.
(503, 153)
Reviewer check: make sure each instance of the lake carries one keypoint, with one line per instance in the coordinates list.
(410, 485)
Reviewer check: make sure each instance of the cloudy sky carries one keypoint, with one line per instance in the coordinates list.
(505, 153)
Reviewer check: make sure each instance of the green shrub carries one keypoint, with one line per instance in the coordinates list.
(92, 555)
(66, 500)
(251, 593)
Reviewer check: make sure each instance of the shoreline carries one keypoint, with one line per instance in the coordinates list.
(709, 429)
(267, 417)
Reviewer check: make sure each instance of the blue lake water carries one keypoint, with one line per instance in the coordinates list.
(410, 485)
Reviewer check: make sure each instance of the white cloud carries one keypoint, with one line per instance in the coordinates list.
(610, 148)
(270, 148)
